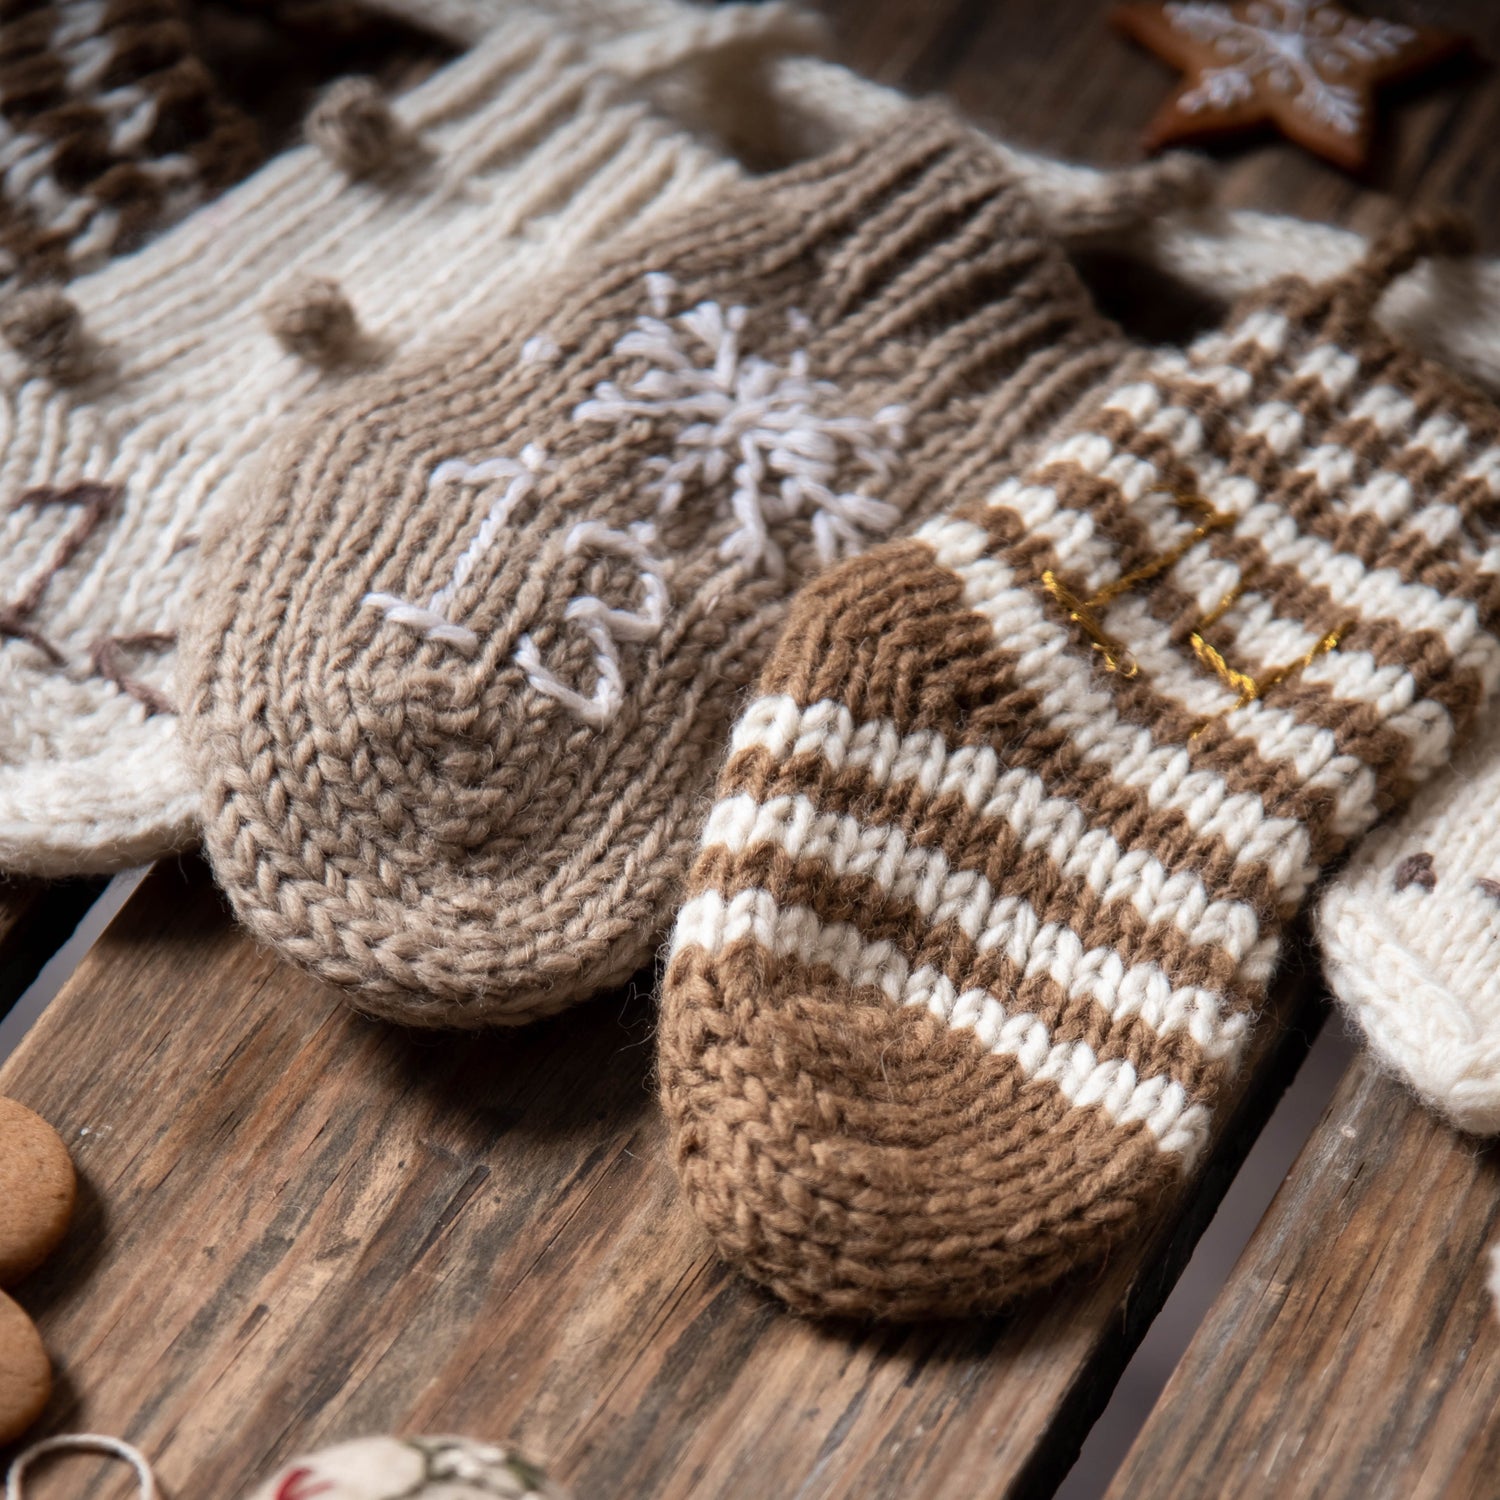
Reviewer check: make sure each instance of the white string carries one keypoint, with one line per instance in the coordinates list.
(81, 1442)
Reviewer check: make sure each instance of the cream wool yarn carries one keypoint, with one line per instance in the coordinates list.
(1410, 936)
(469, 655)
(420, 1468)
(532, 150)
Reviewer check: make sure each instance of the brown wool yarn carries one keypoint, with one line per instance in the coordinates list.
(1008, 835)
(121, 126)
(468, 656)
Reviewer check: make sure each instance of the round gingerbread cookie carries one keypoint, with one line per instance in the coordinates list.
(25, 1374)
(388, 1468)
(37, 1188)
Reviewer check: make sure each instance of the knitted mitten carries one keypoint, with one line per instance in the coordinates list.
(476, 641)
(1000, 859)
(1410, 933)
(113, 126)
(161, 380)
(421, 1468)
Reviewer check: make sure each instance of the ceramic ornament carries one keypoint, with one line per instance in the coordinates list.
(418, 1468)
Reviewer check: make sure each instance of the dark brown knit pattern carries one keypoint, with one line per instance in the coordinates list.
(1008, 836)
(110, 126)
(476, 641)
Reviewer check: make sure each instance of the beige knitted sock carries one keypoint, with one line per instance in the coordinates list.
(1007, 839)
(1410, 934)
(475, 642)
(181, 363)
(110, 126)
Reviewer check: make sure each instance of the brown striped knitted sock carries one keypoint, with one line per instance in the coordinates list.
(459, 696)
(994, 883)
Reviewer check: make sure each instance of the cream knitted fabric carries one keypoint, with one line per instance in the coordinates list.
(1008, 836)
(197, 350)
(474, 644)
(1410, 934)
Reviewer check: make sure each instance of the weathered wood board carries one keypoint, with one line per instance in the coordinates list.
(1355, 1349)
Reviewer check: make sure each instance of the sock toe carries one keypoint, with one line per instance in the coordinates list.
(862, 1158)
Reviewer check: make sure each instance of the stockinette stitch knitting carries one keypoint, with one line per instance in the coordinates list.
(188, 357)
(1010, 831)
(112, 126)
(1410, 936)
(473, 647)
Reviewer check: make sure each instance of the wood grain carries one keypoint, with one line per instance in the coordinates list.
(298, 1225)
(1354, 1350)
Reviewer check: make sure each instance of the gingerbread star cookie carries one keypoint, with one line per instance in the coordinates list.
(1308, 67)
(37, 1188)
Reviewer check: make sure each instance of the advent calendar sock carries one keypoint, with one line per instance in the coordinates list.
(476, 637)
(155, 385)
(113, 126)
(1410, 934)
(999, 863)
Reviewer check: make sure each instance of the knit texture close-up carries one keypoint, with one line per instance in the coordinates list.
(999, 864)
(1410, 937)
(478, 640)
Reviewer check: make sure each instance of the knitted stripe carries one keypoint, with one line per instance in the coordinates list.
(1052, 775)
(109, 126)
(1410, 934)
(533, 152)
(477, 657)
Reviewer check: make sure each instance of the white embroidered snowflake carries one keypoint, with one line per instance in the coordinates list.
(1299, 47)
(773, 437)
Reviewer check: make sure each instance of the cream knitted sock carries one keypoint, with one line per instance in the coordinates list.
(111, 127)
(186, 358)
(1008, 837)
(474, 644)
(1410, 933)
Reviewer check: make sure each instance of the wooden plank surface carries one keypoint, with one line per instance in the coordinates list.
(298, 1225)
(1355, 1350)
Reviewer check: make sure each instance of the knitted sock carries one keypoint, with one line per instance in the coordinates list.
(160, 381)
(995, 880)
(112, 127)
(1410, 933)
(475, 643)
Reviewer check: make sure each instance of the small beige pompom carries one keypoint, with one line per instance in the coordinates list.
(313, 318)
(354, 126)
